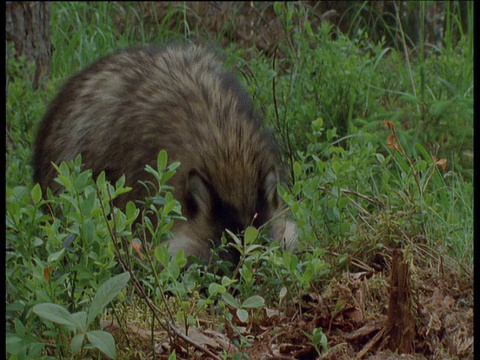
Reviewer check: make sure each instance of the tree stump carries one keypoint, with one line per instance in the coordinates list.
(400, 329)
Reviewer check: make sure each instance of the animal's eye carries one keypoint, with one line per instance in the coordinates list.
(198, 195)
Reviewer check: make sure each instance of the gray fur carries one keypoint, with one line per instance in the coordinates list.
(120, 111)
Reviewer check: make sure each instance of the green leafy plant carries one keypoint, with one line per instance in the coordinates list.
(317, 339)
(241, 309)
(73, 251)
(80, 322)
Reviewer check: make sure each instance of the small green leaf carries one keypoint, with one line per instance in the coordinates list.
(76, 343)
(166, 228)
(278, 8)
(380, 158)
(36, 194)
(19, 328)
(120, 182)
(317, 125)
(121, 190)
(162, 255)
(179, 258)
(103, 341)
(191, 320)
(89, 229)
(242, 315)
(65, 181)
(253, 302)
(318, 337)
(169, 207)
(82, 179)
(336, 167)
(106, 293)
(131, 211)
(297, 169)
(37, 242)
(230, 300)
(202, 303)
(55, 313)
(173, 269)
(226, 281)
(14, 344)
(101, 180)
(214, 289)
(81, 320)
(56, 255)
(290, 7)
(167, 176)
(307, 275)
(237, 243)
(250, 235)
(174, 166)
(68, 241)
(162, 160)
(419, 148)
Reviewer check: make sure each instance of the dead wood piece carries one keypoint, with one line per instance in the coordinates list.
(365, 331)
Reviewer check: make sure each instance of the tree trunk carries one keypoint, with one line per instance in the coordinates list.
(28, 28)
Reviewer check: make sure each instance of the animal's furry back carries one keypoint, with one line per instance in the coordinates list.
(120, 111)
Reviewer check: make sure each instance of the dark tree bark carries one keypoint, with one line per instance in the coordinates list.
(28, 28)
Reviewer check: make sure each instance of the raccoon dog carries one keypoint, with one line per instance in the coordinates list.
(120, 111)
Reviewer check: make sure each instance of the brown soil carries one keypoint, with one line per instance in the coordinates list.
(401, 312)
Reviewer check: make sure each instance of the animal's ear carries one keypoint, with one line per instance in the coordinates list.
(198, 196)
(270, 185)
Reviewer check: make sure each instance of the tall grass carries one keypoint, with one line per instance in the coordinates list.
(84, 31)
